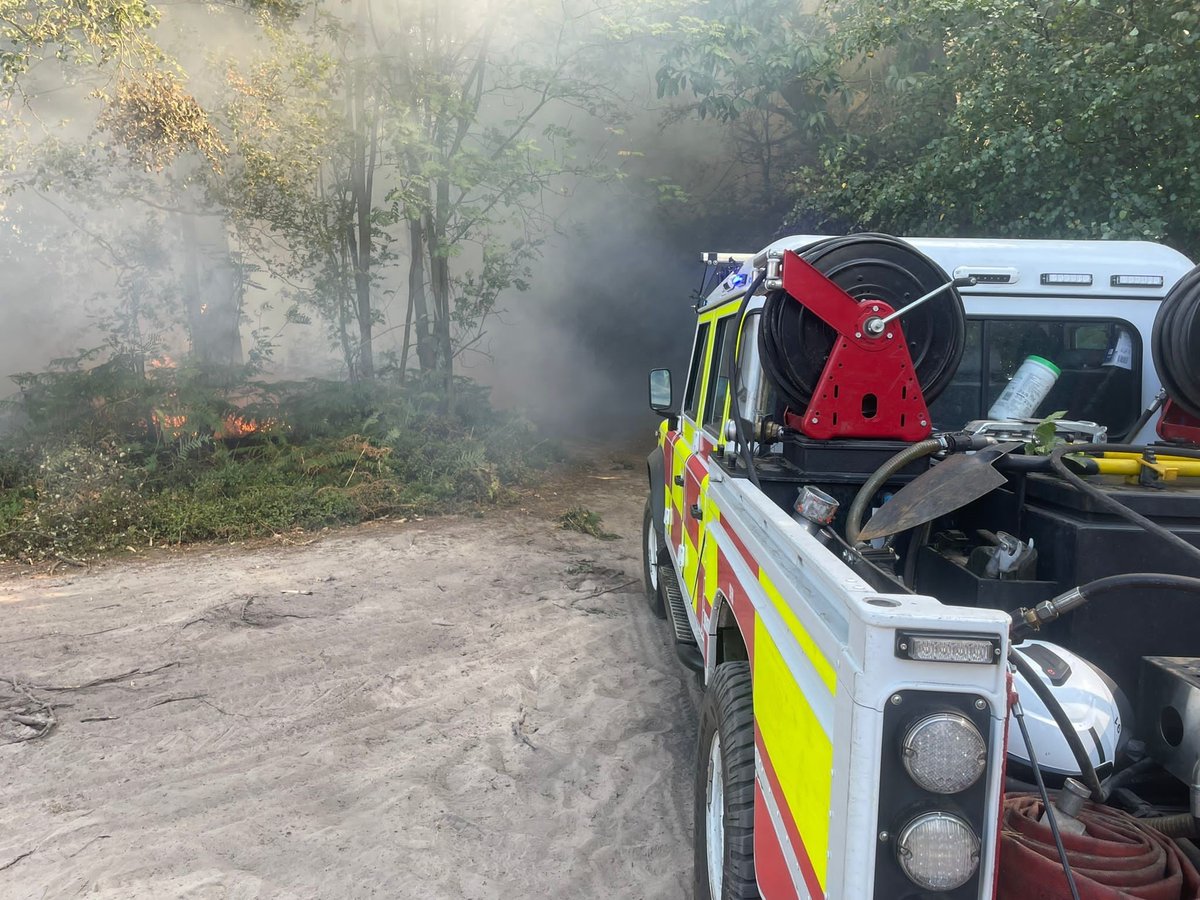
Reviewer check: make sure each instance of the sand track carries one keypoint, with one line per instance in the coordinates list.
(461, 708)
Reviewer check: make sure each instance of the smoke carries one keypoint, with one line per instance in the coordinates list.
(610, 295)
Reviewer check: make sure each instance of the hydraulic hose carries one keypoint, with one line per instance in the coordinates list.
(1087, 770)
(1049, 610)
(907, 456)
(1118, 780)
(1059, 465)
(1146, 416)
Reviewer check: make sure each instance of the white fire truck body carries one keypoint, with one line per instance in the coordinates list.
(786, 623)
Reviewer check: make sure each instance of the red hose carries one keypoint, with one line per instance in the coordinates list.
(1117, 857)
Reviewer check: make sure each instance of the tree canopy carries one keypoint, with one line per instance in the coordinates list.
(1014, 118)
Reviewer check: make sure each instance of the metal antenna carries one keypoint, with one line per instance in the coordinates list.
(1051, 817)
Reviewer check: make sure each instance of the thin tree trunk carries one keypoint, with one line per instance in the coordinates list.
(439, 270)
(418, 302)
(359, 232)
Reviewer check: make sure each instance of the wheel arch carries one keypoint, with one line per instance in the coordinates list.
(726, 642)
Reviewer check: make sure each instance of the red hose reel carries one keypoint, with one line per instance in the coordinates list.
(869, 386)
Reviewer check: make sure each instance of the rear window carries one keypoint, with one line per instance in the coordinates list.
(1100, 359)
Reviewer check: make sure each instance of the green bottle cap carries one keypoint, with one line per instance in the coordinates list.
(1045, 362)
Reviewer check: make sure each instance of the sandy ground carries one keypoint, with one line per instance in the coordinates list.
(454, 708)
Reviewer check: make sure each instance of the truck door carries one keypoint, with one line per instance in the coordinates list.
(700, 572)
(682, 447)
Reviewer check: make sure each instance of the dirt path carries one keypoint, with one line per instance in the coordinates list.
(459, 708)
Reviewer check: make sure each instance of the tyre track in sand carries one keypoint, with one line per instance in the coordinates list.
(436, 720)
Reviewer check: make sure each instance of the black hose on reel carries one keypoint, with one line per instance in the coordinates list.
(795, 343)
(1175, 343)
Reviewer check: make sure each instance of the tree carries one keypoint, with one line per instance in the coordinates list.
(484, 147)
(1014, 118)
(759, 66)
(306, 124)
(418, 123)
(102, 132)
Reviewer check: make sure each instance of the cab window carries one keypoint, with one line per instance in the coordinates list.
(1100, 360)
(718, 379)
(691, 400)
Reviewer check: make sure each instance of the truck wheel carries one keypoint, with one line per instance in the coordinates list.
(652, 548)
(724, 820)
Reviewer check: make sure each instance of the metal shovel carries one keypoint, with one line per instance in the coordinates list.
(947, 486)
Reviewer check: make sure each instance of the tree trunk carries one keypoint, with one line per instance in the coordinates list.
(418, 302)
(362, 171)
(439, 270)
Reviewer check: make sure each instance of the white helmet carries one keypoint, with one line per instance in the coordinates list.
(1091, 700)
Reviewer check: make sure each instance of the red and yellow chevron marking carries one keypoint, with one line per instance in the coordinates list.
(794, 778)
(795, 752)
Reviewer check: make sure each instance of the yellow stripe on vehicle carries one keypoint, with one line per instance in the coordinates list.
(800, 633)
(710, 561)
(800, 751)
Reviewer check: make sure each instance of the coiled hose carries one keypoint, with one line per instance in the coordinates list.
(1118, 857)
(795, 343)
(1175, 343)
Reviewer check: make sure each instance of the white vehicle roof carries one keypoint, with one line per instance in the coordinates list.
(1118, 269)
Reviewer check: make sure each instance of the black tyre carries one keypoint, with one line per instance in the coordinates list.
(725, 788)
(652, 550)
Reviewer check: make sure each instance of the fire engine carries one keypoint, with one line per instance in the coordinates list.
(926, 518)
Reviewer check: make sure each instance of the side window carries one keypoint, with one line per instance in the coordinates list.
(1100, 362)
(718, 379)
(691, 400)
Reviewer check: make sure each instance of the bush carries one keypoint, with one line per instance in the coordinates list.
(315, 453)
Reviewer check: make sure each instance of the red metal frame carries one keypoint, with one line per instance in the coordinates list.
(862, 371)
(1176, 425)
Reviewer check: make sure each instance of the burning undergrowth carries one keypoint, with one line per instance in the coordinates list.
(110, 460)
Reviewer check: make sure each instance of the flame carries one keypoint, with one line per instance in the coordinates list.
(163, 420)
(233, 425)
(236, 426)
(162, 362)
(169, 424)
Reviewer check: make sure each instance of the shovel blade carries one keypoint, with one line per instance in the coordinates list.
(949, 485)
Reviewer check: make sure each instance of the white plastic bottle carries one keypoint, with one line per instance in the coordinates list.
(1028, 388)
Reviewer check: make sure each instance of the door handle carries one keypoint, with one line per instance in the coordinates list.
(695, 511)
(679, 480)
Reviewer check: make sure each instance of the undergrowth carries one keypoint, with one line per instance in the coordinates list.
(118, 459)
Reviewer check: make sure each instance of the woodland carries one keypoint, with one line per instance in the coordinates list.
(261, 249)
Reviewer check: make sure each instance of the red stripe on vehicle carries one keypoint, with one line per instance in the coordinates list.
(744, 551)
(789, 824)
(738, 599)
(770, 866)
(696, 472)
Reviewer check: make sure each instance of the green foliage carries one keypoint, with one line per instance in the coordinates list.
(1005, 118)
(1045, 435)
(1009, 118)
(585, 521)
(98, 478)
